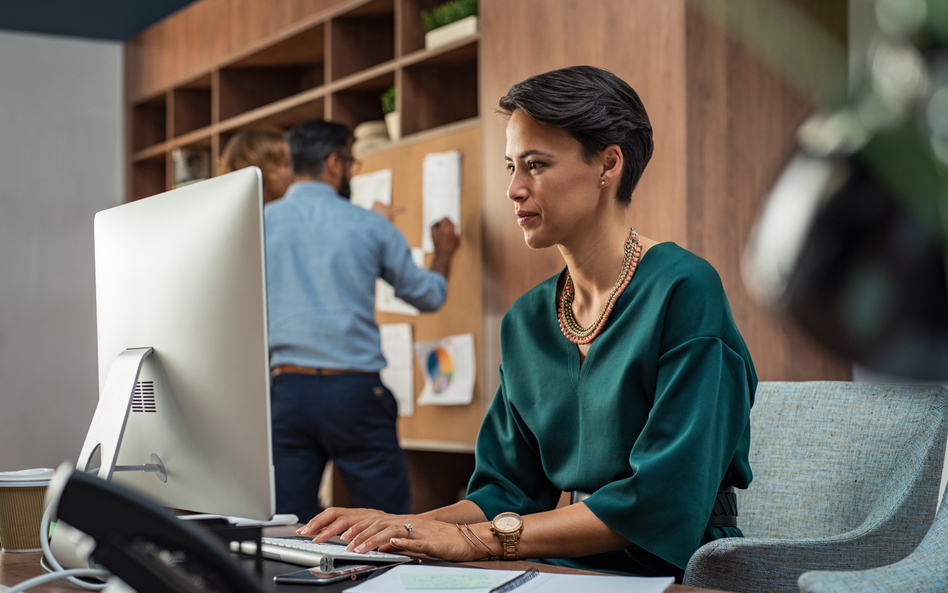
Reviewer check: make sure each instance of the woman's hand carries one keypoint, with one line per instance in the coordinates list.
(368, 529)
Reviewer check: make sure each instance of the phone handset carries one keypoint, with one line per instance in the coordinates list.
(142, 543)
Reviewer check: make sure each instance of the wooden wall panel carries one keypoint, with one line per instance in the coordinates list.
(196, 38)
(723, 126)
(742, 119)
(641, 41)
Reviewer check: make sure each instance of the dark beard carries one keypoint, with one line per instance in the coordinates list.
(344, 189)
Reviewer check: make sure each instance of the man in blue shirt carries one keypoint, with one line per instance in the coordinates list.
(323, 257)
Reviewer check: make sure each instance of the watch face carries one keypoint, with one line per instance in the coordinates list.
(507, 522)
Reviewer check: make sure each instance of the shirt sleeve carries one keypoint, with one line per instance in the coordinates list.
(508, 475)
(419, 287)
(696, 428)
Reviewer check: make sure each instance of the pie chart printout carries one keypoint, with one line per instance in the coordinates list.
(448, 366)
(440, 369)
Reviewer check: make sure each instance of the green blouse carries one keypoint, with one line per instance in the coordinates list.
(652, 423)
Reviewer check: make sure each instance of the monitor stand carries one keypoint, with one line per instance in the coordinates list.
(111, 415)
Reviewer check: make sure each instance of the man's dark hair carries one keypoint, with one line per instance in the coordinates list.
(312, 142)
(596, 108)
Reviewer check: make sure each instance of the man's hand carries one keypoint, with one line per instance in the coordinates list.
(445, 244)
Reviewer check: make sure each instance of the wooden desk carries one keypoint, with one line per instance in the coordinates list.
(16, 568)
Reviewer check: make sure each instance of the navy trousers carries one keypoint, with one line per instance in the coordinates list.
(349, 419)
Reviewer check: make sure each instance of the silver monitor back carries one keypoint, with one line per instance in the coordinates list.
(183, 273)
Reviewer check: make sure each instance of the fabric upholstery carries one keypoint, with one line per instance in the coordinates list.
(846, 477)
(925, 570)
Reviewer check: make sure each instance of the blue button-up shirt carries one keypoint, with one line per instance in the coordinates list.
(323, 256)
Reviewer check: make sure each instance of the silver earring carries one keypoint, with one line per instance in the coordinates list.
(602, 182)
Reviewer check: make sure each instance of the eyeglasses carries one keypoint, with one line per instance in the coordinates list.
(355, 165)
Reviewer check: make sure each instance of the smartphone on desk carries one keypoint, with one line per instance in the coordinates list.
(316, 576)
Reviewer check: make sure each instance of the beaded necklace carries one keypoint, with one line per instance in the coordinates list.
(571, 329)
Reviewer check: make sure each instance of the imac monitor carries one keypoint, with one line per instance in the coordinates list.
(184, 405)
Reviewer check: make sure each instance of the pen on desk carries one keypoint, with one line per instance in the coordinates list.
(515, 582)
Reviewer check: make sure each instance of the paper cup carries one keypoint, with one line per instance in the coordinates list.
(21, 508)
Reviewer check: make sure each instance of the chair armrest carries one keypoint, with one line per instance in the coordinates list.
(774, 565)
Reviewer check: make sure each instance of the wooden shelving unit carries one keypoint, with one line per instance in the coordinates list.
(334, 65)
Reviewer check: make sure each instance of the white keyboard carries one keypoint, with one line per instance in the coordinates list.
(304, 552)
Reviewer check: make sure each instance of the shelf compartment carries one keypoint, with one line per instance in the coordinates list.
(439, 87)
(191, 106)
(282, 114)
(285, 69)
(149, 176)
(149, 122)
(363, 38)
(447, 129)
(361, 101)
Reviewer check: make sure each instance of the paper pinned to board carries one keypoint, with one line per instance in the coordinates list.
(399, 372)
(441, 192)
(448, 368)
(385, 299)
(370, 188)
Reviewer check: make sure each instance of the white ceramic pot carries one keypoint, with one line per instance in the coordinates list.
(394, 124)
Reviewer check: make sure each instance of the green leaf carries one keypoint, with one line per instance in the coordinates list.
(447, 13)
(388, 100)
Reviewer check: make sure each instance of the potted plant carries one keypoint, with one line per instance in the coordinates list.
(449, 22)
(392, 122)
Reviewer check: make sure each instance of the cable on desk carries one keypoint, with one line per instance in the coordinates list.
(72, 573)
(58, 571)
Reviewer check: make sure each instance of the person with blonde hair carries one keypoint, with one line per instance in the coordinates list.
(264, 148)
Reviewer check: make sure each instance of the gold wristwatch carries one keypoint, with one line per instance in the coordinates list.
(508, 527)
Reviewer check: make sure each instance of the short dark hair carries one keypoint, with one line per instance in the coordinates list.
(312, 142)
(596, 108)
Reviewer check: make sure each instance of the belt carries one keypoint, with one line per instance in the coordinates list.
(284, 369)
(723, 514)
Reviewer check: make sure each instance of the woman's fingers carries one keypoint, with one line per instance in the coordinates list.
(318, 522)
(408, 545)
(335, 521)
(340, 525)
(378, 533)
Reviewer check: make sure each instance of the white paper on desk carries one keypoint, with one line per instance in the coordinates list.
(368, 188)
(547, 582)
(440, 192)
(385, 299)
(391, 580)
(399, 374)
(448, 367)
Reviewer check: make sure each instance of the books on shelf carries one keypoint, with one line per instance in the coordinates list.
(191, 164)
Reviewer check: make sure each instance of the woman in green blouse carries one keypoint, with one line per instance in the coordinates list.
(623, 379)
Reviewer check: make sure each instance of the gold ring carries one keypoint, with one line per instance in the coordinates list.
(409, 528)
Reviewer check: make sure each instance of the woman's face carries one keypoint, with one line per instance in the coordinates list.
(555, 192)
(279, 180)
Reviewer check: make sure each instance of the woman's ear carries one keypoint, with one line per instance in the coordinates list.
(611, 164)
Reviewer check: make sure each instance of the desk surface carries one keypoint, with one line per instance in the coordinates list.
(16, 568)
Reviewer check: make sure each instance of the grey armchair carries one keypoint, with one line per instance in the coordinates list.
(925, 570)
(846, 477)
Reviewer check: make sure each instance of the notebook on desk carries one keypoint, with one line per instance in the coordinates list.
(304, 552)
